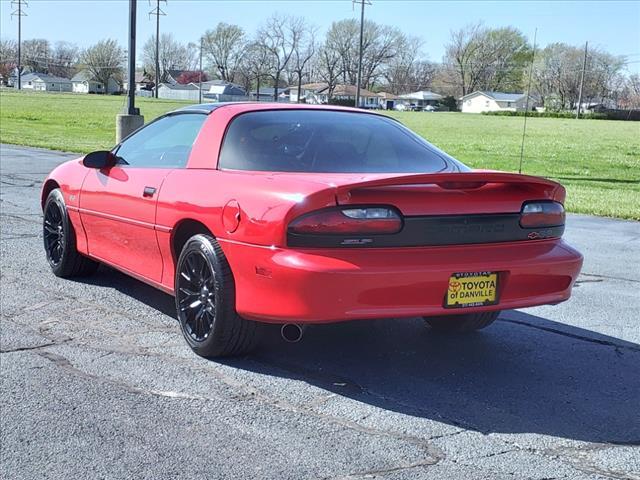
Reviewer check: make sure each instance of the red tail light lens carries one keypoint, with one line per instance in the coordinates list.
(349, 221)
(541, 214)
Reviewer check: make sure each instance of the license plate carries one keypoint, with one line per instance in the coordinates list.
(472, 289)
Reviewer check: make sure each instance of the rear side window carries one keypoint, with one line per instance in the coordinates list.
(165, 143)
(327, 141)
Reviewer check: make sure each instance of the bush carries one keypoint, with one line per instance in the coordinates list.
(633, 115)
(342, 102)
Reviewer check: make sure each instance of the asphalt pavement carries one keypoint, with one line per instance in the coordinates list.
(97, 381)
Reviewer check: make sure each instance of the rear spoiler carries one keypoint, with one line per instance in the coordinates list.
(456, 181)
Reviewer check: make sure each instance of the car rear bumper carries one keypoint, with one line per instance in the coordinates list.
(318, 286)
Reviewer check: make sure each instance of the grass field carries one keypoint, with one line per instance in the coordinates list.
(598, 161)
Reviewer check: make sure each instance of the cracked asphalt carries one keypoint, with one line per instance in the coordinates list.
(97, 382)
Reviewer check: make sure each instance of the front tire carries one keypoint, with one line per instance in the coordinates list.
(60, 240)
(205, 302)
(464, 323)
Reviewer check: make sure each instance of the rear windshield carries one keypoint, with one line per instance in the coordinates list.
(327, 141)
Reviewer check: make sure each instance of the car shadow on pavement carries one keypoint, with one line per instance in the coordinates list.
(523, 374)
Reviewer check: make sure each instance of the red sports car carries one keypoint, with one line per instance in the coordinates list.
(293, 214)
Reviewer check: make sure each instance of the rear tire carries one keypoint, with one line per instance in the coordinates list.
(465, 323)
(205, 302)
(60, 240)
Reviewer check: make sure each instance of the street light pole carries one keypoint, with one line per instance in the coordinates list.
(130, 120)
(131, 104)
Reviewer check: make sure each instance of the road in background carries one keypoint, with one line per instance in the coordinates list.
(97, 381)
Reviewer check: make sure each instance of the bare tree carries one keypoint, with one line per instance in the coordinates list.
(381, 45)
(279, 37)
(64, 59)
(172, 55)
(329, 67)
(104, 61)
(303, 52)
(256, 66)
(36, 55)
(225, 47)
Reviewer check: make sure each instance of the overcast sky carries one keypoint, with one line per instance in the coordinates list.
(612, 25)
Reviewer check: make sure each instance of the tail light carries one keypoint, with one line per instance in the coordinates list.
(541, 214)
(349, 221)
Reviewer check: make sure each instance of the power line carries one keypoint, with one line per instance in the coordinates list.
(18, 11)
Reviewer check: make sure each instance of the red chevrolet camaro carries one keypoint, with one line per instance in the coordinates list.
(294, 214)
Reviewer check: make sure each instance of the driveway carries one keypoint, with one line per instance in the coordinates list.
(97, 381)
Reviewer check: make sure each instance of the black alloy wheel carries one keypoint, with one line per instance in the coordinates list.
(53, 233)
(196, 296)
(205, 302)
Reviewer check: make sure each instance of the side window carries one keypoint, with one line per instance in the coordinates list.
(165, 143)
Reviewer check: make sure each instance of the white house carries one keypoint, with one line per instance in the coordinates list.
(387, 101)
(83, 82)
(478, 102)
(308, 92)
(43, 82)
(420, 100)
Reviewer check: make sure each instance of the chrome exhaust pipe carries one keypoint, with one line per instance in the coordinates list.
(291, 332)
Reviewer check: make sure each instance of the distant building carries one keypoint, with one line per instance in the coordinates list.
(387, 101)
(308, 92)
(42, 82)
(266, 94)
(420, 100)
(83, 82)
(176, 91)
(478, 102)
(221, 91)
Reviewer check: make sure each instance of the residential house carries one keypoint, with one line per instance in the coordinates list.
(221, 91)
(43, 82)
(347, 93)
(387, 101)
(478, 102)
(420, 100)
(308, 92)
(84, 82)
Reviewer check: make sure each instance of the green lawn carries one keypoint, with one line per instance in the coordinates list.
(598, 161)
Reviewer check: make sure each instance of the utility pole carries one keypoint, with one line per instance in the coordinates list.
(157, 12)
(359, 78)
(200, 75)
(584, 67)
(18, 11)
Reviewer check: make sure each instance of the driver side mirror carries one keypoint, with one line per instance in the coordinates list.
(100, 159)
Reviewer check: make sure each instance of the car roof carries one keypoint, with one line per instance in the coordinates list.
(208, 108)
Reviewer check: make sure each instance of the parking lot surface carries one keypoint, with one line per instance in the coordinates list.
(97, 381)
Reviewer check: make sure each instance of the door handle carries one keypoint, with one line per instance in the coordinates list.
(148, 191)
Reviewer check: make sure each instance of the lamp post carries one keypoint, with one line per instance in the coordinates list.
(127, 123)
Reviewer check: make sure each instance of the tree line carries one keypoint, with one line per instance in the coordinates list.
(289, 51)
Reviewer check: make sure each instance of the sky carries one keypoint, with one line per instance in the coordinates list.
(610, 25)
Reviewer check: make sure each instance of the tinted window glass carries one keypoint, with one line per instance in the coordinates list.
(165, 143)
(327, 141)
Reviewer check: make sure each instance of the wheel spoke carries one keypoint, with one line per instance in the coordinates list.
(195, 295)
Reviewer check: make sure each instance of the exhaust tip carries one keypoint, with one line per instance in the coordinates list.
(291, 332)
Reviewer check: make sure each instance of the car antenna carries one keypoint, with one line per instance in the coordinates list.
(526, 108)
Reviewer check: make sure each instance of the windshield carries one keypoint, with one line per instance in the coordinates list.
(328, 141)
